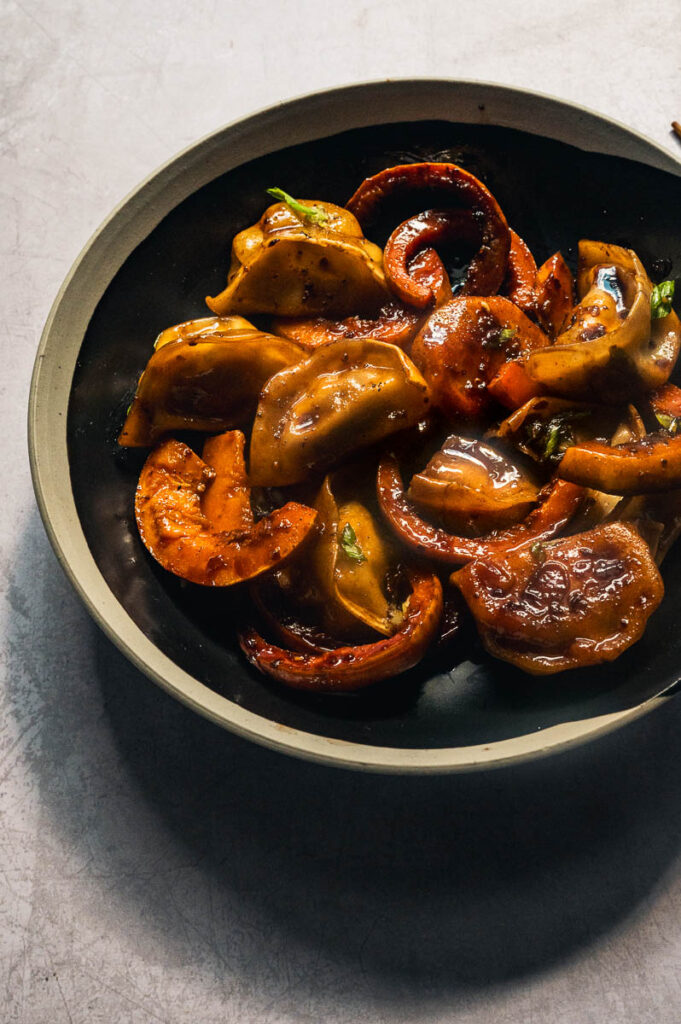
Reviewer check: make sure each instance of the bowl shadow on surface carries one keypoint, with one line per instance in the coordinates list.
(421, 884)
(448, 881)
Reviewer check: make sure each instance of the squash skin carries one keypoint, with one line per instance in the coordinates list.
(459, 189)
(352, 668)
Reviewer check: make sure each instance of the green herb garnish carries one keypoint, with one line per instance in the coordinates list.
(506, 334)
(661, 299)
(350, 546)
(670, 423)
(553, 439)
(310, 213)
(538, 551)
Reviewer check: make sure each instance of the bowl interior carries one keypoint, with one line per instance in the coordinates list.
(552, 194)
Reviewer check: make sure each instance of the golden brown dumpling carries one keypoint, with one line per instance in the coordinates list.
(347, 395)
(472, 488)
(204, 375)
(611, 347)
(289, 265)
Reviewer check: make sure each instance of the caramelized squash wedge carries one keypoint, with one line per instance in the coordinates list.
(210, 538)
(652, 463)
(519, 283)
(204, 375)
(554, 291)
(352, 668)
(578, 601)
(413, 239)
(464, 344)
(345, 396)
(449, 186)
(288, 265)
(559, 502)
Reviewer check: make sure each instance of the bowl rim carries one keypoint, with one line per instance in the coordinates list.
(131, 220)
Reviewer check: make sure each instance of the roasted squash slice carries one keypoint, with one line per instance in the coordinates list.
(351, 668)
(210, 538)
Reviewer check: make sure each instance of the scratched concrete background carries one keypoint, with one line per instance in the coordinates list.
(153, 868)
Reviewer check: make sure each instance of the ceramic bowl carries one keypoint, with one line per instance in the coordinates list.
(560, 173)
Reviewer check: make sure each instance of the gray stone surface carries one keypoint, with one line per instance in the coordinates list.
(154, 868)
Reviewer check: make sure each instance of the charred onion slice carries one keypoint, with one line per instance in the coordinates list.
(431, 228)
(208, 378)
(554, 294)
(172, 513)
(560, 503)
(472, 488)
(462, 190)
(578, 601)
(652, 463)
(345, 396)
(464, 344)
(351, 668)
(286, 265)
(519, 282)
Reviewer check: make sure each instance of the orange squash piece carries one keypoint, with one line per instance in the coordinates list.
(464, 344)
(452, 186)
(207, 538)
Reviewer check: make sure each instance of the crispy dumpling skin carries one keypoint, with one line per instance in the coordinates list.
(611, 347)
(578, 601)
(204, 375)
(209, 537)
(472, 489)
(347, 395)
(286, 265)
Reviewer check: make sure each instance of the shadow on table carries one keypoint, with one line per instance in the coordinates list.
(459, 880)
(430, 882)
